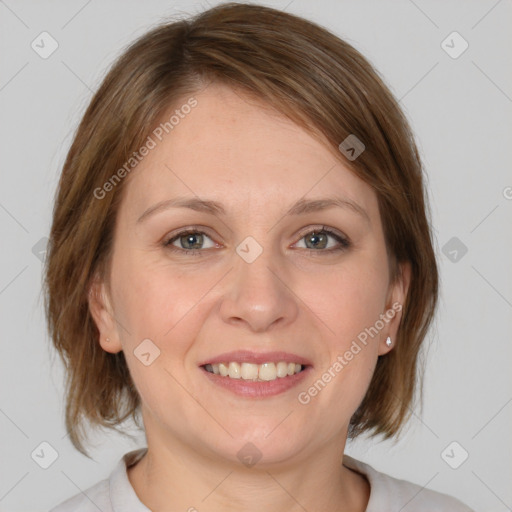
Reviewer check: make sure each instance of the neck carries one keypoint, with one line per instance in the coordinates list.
(174, 476)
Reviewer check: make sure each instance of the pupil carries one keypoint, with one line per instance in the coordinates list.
(190, 240)
(318, 239)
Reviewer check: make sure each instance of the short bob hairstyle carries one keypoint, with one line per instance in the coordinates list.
(306, 73)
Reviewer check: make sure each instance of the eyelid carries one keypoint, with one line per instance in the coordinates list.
(321, 228)
(184, 231)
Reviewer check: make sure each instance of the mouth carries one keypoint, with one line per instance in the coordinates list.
(246, 371)
(255, 375)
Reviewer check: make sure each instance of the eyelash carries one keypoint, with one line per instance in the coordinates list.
(344, 243)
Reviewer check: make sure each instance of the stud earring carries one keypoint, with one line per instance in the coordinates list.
(107, 340)
(388, 341)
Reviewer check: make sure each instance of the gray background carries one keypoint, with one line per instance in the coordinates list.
(460, 109)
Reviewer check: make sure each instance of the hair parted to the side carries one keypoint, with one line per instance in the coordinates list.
(306, 73)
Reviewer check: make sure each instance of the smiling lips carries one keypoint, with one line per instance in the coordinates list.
(253, 374)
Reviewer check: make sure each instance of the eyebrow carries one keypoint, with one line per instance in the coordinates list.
(301, 207)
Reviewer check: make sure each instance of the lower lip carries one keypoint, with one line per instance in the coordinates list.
(252, 389)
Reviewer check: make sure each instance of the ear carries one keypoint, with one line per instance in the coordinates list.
(397, 296)
(103, 316)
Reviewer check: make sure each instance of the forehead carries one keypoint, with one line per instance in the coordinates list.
(237, 149)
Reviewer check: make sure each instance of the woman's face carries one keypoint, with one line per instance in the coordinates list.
(260, 272)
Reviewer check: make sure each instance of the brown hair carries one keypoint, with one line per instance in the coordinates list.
(306, 73)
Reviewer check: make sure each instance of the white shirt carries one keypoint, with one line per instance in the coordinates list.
(387, 494)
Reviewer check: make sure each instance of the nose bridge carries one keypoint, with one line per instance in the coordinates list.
(252, 267)
(256, 292)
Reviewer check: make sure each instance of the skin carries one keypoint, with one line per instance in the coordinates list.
(307, 301)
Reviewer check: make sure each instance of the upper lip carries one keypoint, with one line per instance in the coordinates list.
(246, 356)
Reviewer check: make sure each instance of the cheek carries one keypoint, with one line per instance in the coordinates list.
(152, 298)
(154, 302)
(349, 304)
(349, 299)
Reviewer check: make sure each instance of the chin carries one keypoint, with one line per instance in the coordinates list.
(262, 444)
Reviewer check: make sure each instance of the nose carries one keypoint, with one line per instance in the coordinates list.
(259, 295)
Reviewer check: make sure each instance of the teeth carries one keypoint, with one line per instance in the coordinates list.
(282, 369)
(254, 372)
(234, 371)
(223, 369)
(249, 371)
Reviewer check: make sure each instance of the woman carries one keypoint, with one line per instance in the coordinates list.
(241, 254)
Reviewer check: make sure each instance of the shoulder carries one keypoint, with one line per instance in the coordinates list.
(112, 494)
(389, 493)
(94, 498)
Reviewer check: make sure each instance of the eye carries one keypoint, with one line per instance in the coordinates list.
(189, 241)
(192, 241)
(318, 239)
